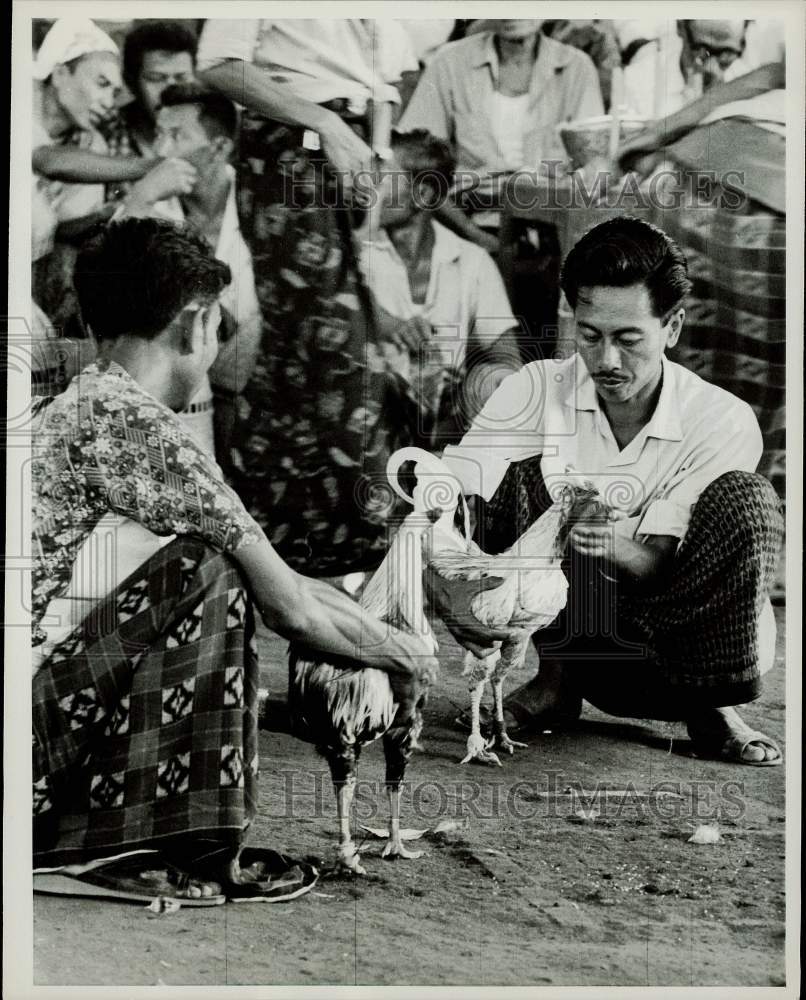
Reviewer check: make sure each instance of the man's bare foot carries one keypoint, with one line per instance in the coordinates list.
(723, 732)
(187, 886)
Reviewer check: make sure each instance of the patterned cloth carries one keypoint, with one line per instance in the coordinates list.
(735, 331)
(106, 445)
(324, 408)
(145, 717)
(121, 140)
(699, 634)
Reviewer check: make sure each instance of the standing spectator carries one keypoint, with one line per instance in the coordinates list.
(322, 410)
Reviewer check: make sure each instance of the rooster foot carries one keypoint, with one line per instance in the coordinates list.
(350, 861)
(479, 749)
(502, 742)
(395, 849)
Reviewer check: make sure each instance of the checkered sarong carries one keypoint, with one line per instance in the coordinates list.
(699, 632)
(735, 329)
(145, 716)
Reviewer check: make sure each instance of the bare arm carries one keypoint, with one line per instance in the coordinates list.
(250, 86)
(648, 562)
(79, 166)
(454, 218)
(320, 617)
(771, 76)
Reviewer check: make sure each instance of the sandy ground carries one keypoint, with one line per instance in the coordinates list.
(523, 892)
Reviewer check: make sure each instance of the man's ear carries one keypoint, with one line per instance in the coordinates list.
(60, 73)
(674, 327)
(179, 335)
(224, 147)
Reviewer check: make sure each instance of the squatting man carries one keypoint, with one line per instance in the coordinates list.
(668, 615)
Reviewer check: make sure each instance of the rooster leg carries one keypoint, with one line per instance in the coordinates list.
(342, 764)
(394, 846)
(477, 746)
(513, 654)
(501, 740)
(348, 855)
(397, 747)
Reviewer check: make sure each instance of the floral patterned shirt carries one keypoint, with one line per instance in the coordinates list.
(106, 445)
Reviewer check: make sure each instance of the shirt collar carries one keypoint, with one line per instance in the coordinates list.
(447, 245)
(551, 56)
(664, 422)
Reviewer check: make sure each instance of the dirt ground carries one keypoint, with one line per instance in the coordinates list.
(523, 891)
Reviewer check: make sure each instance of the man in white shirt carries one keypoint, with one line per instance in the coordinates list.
(668, 64)
(419, 271)
(668, 615)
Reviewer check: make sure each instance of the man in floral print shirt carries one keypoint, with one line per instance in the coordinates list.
(110, 773)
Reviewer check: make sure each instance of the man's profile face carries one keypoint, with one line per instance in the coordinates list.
(87, 89)
(181, 134)
(620, 339)
(158, 71)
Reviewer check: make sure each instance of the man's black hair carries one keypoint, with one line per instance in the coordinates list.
(627, 251)
(137, 275)
(154, 36)
(425, 157)
(217, 113)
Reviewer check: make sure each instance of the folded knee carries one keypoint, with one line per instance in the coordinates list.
(745, 501)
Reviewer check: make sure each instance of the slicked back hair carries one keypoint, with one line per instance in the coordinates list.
(627, 251)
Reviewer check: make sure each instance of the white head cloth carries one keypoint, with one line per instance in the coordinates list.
(68, 39)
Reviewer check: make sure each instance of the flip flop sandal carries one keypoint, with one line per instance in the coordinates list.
(733, 749)
(274, 878)
(131, 882)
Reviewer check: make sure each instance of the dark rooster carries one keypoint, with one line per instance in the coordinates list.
(342, 708)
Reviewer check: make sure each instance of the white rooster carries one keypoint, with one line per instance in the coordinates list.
(533, 591)
(341, 708)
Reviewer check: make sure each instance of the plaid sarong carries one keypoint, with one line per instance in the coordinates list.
(700, 632)
(145, 716)
(735, 329)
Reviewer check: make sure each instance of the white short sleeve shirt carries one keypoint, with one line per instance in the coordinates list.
(697, 432)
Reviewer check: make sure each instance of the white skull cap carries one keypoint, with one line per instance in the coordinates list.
(68, 39)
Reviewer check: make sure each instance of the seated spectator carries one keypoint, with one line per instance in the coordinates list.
(76, 78)
(415, 267)
(727, 151)
(145, 713)
(498, 96)
(197, 128)
(669, 64)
